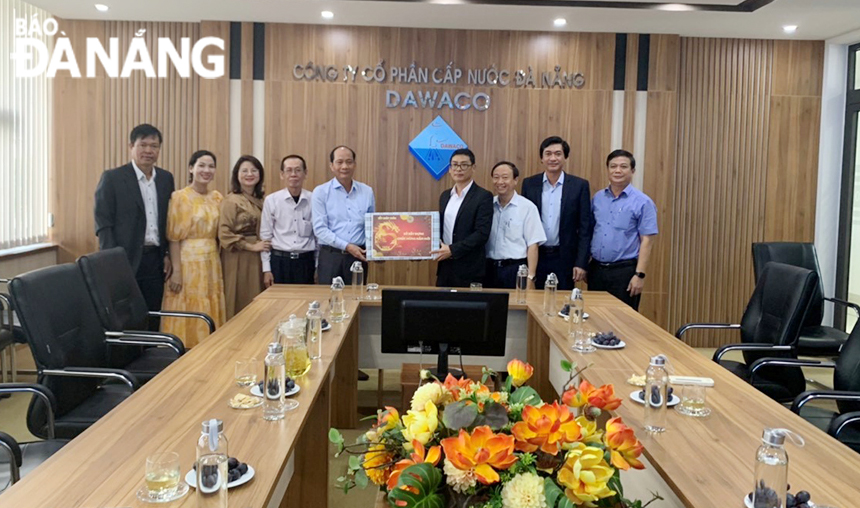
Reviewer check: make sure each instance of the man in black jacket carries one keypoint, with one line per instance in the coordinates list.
(564, 202)
(131, 212)
(466, 216)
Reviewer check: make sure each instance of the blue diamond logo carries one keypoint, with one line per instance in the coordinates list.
(434, 145)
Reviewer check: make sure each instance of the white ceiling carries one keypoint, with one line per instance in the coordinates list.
(817, 19)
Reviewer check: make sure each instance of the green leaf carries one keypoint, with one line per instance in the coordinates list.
(564, 502)
(525, 395)
(566, 366)
(509, 382)
(423, 481)
(552, 492)
(459, 415)
(354, 463)
(341, 479)
(361, 478)
(495, 415)
(335, 436)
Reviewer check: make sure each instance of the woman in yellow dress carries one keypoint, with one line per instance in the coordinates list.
(239, 235)
(196, 284)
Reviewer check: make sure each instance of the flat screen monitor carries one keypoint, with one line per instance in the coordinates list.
(442, 322)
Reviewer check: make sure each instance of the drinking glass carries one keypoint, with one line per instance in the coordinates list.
(476, 286)
(693, 401)
(246, 372)
(373, 291)
(162, 475)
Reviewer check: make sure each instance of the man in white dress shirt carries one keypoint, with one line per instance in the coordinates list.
(517, 231)
(287, 222)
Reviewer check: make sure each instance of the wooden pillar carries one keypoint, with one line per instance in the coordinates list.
(344, 400)
(309, 484)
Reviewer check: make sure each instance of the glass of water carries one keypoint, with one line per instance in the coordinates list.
(162, 475)
(246, 372)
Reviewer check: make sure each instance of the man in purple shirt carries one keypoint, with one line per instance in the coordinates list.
(625, 223)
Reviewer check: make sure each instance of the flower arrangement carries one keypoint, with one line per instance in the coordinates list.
(463, 445)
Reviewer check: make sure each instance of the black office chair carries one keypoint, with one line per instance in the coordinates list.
(18, 459)
(10, 335)
(815, 339)
(769, 327)
(122, 311)
(845, 423)
(69, 349)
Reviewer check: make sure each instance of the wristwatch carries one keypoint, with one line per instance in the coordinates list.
(532, 277)
(641, 275)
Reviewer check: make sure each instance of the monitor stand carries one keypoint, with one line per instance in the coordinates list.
(441, 371)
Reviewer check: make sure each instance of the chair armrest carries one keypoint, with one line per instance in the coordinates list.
(844, 303)
(842, 421)
(95, 372)
(39, 391)
(705, 326)
(789, 362)
(16, 459)
(805, 397)
(135, 338)
(718, 354)
(182, 314)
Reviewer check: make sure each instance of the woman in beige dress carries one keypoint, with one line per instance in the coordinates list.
(239, 235)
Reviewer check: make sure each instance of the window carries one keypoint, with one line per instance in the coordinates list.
(25, 110)
(848, 259)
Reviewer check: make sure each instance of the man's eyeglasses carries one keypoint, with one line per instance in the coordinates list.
(464, 165)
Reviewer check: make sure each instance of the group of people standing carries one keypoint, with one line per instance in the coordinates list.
(197, 250)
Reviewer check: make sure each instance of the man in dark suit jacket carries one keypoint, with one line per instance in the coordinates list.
(131, 212)
(564, 202)
(466, 217)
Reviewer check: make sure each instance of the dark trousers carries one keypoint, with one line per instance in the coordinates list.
(447, 278)
(503, 275)
(553, 263)
(150, 280)
(286, 270)
(336, 263)
(614, 279)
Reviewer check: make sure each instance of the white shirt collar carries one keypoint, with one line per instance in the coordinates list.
(465, 190)
(140, 175)
(513, 200)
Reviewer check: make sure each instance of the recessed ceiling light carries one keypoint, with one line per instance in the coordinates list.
(676, 7)
(559, 22)
(789, 29)
(101, 7)
(327, 14)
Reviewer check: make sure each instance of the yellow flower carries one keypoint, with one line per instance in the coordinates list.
(433, 392)
(420, 425)
(520, 372)
(377, 464)
(625, 448)
(590, 433)
(524, 491)
(388, 419)
(584, 476)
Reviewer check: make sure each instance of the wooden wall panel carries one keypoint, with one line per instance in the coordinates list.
(212, 109)
(724, 102)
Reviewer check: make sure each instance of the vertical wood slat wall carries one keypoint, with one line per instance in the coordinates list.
(715, 126)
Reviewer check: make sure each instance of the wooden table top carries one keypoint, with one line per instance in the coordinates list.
(708, 461)
(104, 466)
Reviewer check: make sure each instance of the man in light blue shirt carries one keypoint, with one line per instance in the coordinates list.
(338, 208)
(516, 232)
(624, 230)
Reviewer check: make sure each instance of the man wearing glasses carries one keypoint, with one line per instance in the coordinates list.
(466, 213)
(517, 231)
(286, 222)
(338, 208)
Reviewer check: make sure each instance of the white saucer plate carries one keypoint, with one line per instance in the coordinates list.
(674, 401)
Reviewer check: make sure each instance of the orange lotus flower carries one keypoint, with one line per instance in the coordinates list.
(601, 398)
(481, 452)
(547, 427)
(520, 372)
(417, 457)
(624, 448)
(388, 419)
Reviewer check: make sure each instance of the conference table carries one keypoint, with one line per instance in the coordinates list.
(696, 463)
